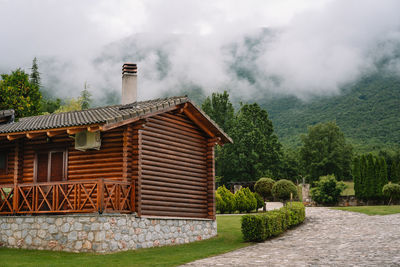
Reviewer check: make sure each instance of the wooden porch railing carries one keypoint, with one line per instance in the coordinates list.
(68, 197)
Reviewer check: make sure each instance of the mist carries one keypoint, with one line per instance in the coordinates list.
(253, 49)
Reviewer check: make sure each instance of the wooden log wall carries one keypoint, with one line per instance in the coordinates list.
(110, 162)
(7, 176)
(173, 168)
(107, 163)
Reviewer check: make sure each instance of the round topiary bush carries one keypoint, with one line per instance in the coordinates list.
(228, 198)
(282, 189)
(391, 191)
(264, 188)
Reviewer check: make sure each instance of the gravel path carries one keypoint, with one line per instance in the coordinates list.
(327, 238)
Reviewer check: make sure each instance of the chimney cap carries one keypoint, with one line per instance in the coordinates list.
(129, 68)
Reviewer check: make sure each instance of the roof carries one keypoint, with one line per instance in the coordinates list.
(106, 116)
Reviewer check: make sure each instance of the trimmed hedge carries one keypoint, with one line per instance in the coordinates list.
(260, 227)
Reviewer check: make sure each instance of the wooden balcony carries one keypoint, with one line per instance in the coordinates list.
(84, 196)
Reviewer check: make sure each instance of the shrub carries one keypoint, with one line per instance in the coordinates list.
(228, 198)
(391, 191)
(251, 199)
(282, 189)
(220, 204)
(295, 213)
(253, 228)
(241, 200)
(260, 201)
(327, 190)
(264, 187)
(272, 223)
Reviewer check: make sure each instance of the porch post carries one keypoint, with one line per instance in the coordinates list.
(17, 172)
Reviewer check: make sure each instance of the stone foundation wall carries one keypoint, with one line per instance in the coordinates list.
(100, 233)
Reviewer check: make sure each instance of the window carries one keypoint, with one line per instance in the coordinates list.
(50, 166)
(3, 162)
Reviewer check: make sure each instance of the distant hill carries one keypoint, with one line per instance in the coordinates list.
(368, 112)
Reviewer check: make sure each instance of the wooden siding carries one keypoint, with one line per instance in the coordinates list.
(108, 162)
(173, 168)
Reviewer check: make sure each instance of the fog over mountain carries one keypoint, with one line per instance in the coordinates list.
(251, 48)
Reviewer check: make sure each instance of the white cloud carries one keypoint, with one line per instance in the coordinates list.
(313, 47)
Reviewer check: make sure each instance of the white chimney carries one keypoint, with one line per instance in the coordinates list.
(129, 83)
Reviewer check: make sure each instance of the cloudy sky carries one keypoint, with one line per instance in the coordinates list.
(299, 47)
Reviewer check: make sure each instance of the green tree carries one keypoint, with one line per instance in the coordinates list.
(363, 177)
(357, 177)
(220, 109)
(282, 190)
(325, 151)
(383, 175)
(73, 104)
(256, 150)
(264, 188)
(18, 93)
(327, 190)
(395, 173)
(391, 191)
(35, 75)
(85, 98)
(370, 178)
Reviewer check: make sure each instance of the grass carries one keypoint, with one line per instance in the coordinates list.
(229, 238)
(349, 191)
(373, 210)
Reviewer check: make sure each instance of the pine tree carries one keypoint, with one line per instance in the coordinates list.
(383, 175)
(370, 178)
(363, 177)
(394, 173)
(357, 177)
(34, 77)
(85, 97)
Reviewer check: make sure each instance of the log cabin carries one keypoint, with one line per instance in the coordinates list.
(151, 158)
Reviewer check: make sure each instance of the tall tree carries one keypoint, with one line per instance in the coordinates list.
(325, 151)
(383, 175)
(363, 177)
(85, 98)
(256, 151)
(370, 177)
(18, 93)
(394, 172)
(357, 177)
(35, 75)
(220, 109)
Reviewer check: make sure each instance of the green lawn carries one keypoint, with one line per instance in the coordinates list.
(229, 238)
(349, 191)
(373, 210)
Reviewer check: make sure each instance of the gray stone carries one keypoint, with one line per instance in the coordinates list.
(65, 228)
(53, 229)
(72, 236)
(77, 226)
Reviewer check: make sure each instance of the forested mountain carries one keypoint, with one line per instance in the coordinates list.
(368, 112)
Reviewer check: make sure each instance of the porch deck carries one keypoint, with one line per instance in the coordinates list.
(85, 196)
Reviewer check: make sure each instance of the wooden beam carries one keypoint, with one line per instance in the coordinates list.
(180, 111)
(53, 133)
(198, 122)
(12, 137)
(93, 129)
(44, 131)
(75, 130)
(33, 135)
